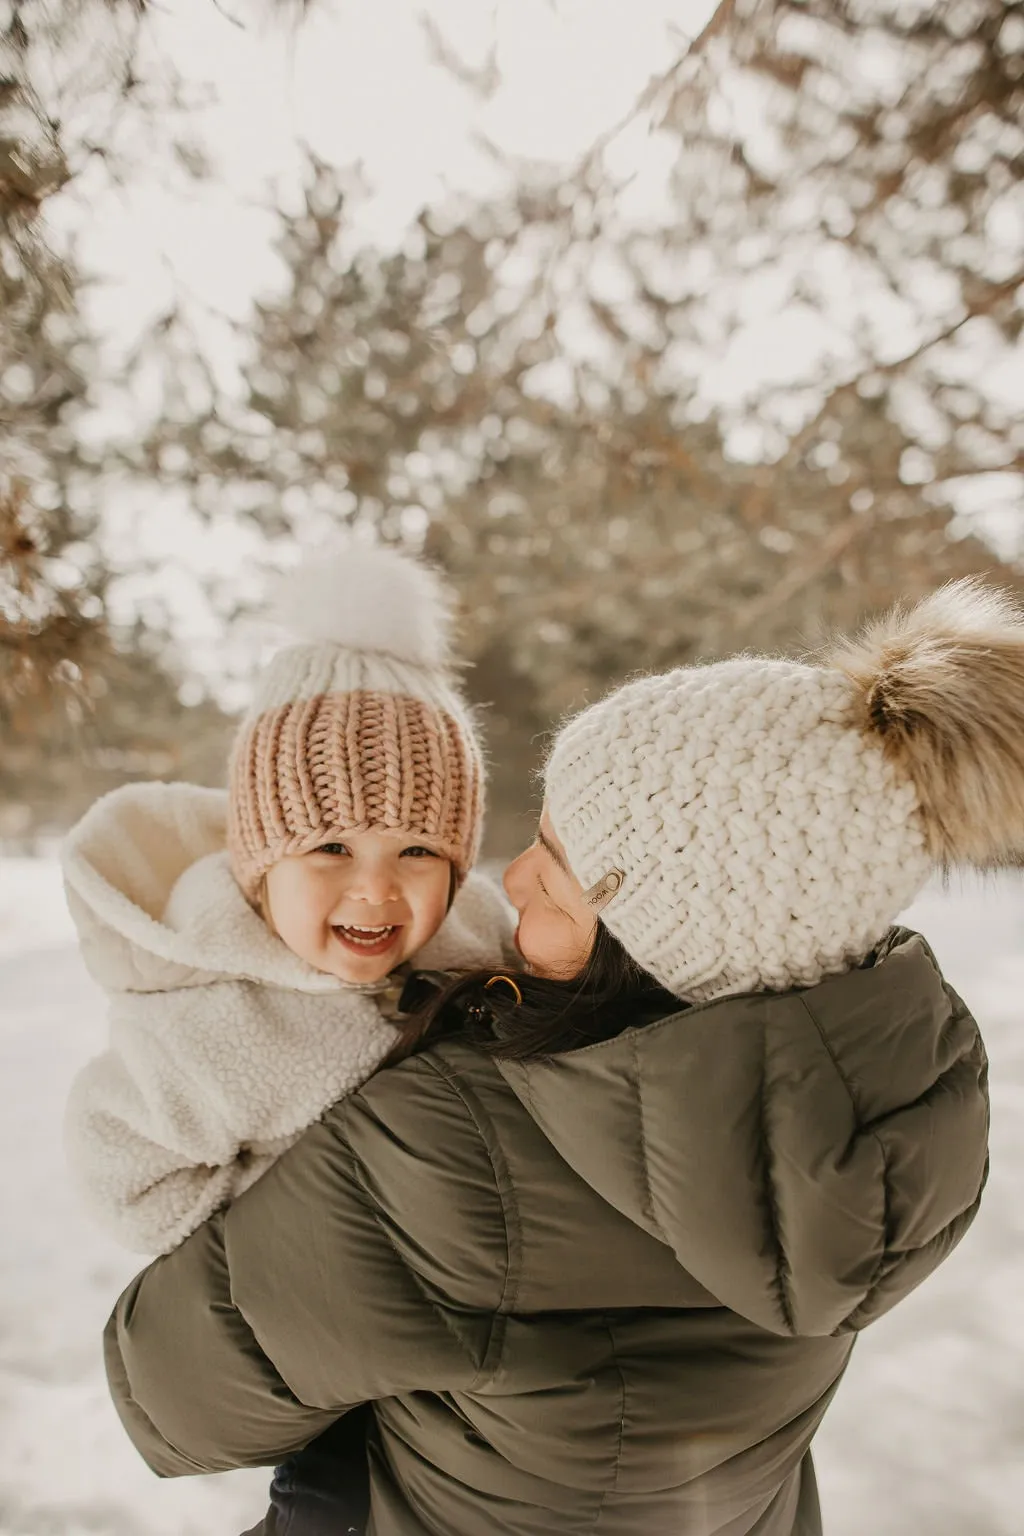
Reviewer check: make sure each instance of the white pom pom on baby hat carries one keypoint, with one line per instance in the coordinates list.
(368, 598)
(359, 618)
(772, 818)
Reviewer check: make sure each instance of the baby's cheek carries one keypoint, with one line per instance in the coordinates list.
(435, 905)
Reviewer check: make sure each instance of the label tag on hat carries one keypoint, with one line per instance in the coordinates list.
(600, 894)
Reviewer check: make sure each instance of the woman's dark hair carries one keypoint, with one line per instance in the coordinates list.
(610, 994)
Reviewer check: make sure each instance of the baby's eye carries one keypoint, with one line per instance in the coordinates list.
(332, 848)
(418, 852)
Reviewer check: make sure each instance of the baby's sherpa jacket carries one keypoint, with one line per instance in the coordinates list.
(224, 1045)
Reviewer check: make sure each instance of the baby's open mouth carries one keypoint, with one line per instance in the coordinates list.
(368, 941)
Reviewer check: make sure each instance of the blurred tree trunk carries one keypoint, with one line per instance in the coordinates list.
(80, 708)
(74, 97)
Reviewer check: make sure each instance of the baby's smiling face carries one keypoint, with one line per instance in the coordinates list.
(361, 903)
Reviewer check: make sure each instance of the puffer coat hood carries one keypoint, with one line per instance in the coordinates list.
(780, 1124)
(609, 1292)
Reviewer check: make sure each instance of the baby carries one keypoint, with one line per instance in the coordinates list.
(255, 945)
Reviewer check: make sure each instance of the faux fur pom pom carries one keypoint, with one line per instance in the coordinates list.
(942, 686)
(368, 598)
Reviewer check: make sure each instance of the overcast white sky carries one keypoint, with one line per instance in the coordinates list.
(356, 82)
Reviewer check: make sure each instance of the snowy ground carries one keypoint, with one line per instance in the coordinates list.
(925, 1437)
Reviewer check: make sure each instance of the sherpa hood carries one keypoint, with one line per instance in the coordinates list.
(799, 1152)
(149, 885)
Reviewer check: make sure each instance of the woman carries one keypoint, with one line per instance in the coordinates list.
(599, 1258)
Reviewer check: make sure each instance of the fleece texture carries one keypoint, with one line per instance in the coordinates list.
(224, 1045)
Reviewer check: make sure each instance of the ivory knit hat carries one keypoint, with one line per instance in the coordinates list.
(360, 722)
(770, 819)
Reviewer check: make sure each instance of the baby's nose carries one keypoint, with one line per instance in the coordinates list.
(375, 886)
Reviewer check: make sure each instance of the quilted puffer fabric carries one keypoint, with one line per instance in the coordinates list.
(609, 1292)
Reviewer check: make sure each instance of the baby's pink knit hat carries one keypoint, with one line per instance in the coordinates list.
(359, 724)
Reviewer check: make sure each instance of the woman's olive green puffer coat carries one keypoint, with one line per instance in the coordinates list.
(609, 1292)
